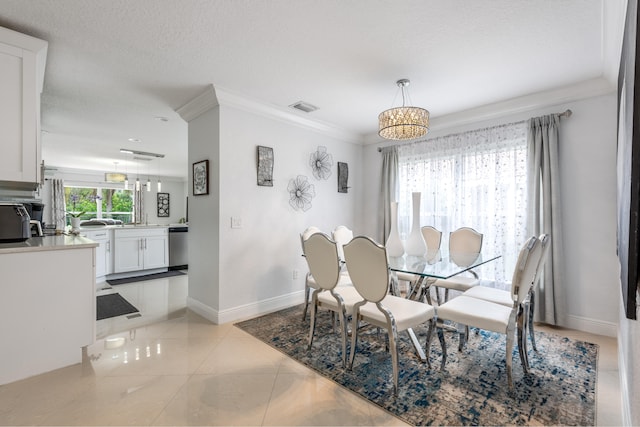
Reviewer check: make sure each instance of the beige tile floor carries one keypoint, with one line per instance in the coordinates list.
(172, 367)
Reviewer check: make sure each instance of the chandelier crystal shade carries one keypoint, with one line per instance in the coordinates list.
(404, 122)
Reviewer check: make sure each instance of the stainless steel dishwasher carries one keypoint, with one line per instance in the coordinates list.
(178, 247)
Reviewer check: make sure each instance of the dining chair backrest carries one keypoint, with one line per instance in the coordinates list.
(545, 241)
(308, 232)
(525, 269)
(368, 267)
(321, 254)
(432, 237)
(342, 235)
(312, 229)
(465, 239)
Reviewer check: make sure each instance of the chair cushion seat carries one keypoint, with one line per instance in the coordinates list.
(349, 295)
(476, 312)
(344, 280)
(407, 313)
(458, 283)
(406, 276)
(486, 293)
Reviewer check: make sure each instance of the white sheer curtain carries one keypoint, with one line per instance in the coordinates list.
(473, 179)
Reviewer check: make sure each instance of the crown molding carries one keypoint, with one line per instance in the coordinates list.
(217, 96)
(198, 105)
(228, 98)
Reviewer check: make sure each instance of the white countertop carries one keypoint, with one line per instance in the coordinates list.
(119, 227)
(47, 243)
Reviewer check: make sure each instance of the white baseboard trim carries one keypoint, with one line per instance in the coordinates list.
(203, 310)
(593, 326)
(624, 387)
(245, 311)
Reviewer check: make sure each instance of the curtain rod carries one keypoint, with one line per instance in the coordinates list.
(566, 113)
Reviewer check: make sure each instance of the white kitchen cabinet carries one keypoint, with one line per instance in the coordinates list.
(52, 281)
(22, 64)
(104, 264)
(140, 249)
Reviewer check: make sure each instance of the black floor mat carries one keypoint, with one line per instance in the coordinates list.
(113, 305)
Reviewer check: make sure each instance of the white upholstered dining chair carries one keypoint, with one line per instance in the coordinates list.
(433, 238)
(321, 254)
(369, 271)
(462, 242)
(342, 235)
(503, 297)
(469, 311)
(309, 281)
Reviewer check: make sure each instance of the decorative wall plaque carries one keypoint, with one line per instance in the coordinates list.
(265, 166)
(343, 177)
(163, 204)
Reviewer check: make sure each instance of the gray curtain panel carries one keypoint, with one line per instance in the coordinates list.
(388, 188)
(544, 214)
(58, 208)
(138, 201)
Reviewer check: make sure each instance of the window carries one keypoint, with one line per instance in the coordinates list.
(473, 179)
(100, 203)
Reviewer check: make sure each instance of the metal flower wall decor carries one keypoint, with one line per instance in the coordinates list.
(301, 192)
(321, 162)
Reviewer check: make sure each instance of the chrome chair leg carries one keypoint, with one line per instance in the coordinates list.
(463, 337)
(427, 346)
(312, 320)
(307, 291)
(530, 320)
(521, 323)
(443, 345)
(343, 325)
(509, 350)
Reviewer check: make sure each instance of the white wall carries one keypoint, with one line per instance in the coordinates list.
(252, 270)
(204, 218)
(588, 186)
(258, 260)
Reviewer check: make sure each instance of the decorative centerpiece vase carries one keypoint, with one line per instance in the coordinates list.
(75, 224)
(415, 244)
(394, 244)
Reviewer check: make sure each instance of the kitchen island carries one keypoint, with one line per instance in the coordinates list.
(48, 304)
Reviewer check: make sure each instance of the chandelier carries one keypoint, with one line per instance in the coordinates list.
(403, 122)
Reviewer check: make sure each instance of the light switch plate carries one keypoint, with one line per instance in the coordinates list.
(236, 222)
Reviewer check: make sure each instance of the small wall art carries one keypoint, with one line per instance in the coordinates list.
(163, 205)
(265, 166)
(201, 178)
(301, 192)
(343, 177)
(321, 162)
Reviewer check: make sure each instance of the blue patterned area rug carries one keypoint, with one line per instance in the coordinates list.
(472, 390)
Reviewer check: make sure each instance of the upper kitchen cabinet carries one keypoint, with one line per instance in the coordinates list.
(22, 64)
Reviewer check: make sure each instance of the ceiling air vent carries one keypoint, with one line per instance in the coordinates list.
(304, 106)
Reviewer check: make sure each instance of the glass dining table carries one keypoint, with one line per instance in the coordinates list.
(429, 268)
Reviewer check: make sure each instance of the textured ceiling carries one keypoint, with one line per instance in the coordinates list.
(114, 66)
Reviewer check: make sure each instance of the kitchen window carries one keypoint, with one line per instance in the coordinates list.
(99, 203)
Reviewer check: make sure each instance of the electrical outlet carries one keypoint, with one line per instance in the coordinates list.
(295, 274)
